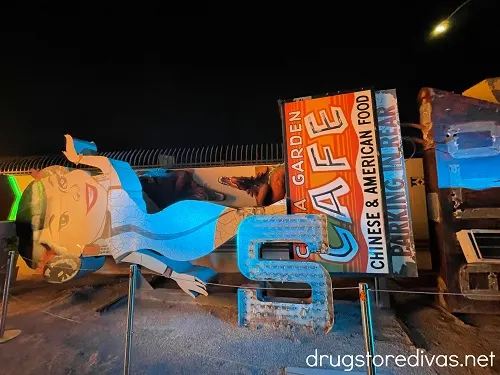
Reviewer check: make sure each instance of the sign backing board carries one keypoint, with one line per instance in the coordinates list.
(333, 167)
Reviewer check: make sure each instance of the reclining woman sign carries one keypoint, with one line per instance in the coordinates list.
(69, 220)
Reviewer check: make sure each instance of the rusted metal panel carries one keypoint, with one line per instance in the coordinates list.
(480, 282)
(461, 158)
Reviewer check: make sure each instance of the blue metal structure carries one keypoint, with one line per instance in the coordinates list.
(253, 308)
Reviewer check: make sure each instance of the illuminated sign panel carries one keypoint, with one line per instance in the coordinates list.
(334, 168)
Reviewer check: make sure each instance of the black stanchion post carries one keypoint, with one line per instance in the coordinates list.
(7, 335)
(366, 318)
(130, 318)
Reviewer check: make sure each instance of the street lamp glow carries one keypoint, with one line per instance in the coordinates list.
(441, 28)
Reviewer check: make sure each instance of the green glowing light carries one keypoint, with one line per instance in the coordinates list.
(17, 197)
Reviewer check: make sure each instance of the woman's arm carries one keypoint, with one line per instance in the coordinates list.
(157, 263)
(99, 162)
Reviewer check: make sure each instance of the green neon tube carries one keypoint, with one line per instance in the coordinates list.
(17, 197)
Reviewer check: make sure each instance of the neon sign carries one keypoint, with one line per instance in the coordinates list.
(255, 310)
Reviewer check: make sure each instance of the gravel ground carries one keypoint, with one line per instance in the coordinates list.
(173, 335)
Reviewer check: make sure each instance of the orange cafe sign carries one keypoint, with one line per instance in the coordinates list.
(333, 168)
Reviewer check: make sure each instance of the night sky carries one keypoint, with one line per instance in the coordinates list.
(160, 78)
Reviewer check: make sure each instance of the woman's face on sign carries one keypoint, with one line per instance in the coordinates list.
(76, 209)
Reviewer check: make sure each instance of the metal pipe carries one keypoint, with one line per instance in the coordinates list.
(366, 318)
(6, 288)
(130, 318)
(377, 294)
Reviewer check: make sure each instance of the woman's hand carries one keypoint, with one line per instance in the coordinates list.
(70, 152)
(189, 284)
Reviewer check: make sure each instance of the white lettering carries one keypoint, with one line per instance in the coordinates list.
(300, 204)
(336, 125)
(329, 163)
(325, 199)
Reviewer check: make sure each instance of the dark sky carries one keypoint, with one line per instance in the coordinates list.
(160, 78)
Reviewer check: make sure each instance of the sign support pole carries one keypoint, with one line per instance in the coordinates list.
(10, 334)
(366, 318)
(130, 318)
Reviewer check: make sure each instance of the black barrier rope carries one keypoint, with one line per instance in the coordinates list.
(308, 289)
(429, 293)
(258, 287)
(215, 284)
(45, 311)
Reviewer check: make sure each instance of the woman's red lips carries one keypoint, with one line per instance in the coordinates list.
(91, 196)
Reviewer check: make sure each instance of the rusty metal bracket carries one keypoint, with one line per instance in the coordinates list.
(474, 275)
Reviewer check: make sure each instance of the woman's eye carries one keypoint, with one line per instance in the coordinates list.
(62, 182)
(75, 192)
(63, 220)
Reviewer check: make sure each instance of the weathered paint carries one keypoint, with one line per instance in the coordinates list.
(401, 244)
(253, 309)
(461, 158)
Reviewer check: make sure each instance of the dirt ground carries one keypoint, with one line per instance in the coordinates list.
(435, 330)
(63, 334)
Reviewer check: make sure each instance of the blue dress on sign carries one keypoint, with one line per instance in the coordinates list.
(180, 233)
